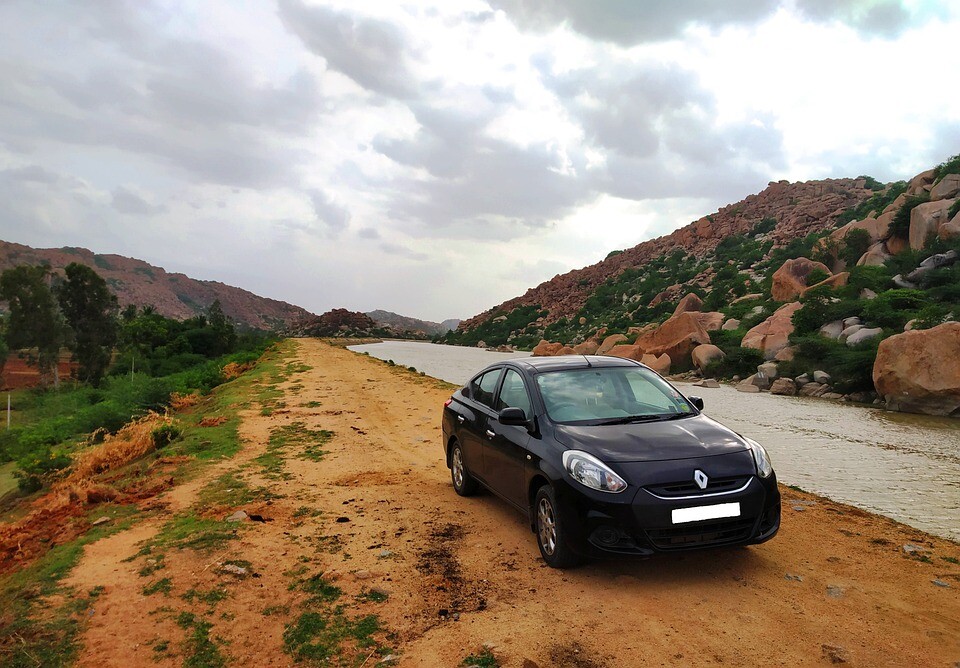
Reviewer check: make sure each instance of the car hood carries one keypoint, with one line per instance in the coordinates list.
(696, 436)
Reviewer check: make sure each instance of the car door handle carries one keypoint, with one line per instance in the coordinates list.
(490, 434)
(460, 419)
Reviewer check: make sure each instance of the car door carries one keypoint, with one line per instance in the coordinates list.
(505, 446)
(476, 417)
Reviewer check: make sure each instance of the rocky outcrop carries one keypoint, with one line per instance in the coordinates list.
(711, 320)
(790, 280)
(677, 337)
(925, 221)
(660, 364)
(919, 371)
(546, 349)
(610, 342)
(588, 347)
(772, 335)
(338, 322)
(947, 187)
(690, 302)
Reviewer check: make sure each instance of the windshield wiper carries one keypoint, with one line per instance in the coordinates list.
(653, 417)
(676, 416)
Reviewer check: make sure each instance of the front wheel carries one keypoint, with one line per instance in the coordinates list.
(552, 531)
(464, 484)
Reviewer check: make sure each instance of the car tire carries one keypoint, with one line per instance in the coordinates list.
(464, 484)
(550, 526)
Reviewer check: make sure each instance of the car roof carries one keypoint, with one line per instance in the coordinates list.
(559, 362)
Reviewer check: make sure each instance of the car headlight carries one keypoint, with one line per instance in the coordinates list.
(591, 472)
(760, 456)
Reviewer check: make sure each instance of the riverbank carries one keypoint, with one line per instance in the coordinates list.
(365, 552)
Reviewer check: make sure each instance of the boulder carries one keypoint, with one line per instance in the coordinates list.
(925, 219)
(610, 342)
(711, 320)
(636, 331)
(821, 377)
(832, 330)
(784, 386)
(802, 380)
(566, 350)
(951, 229)
(920, 183)
(771, 336)
(852, 320)
(705, 353)
(768, 369)
(660, 364)
(760, 381)
(588, 347)
(835, 281)
(895, 205)
(868, 294)
(896, 245)
(919, 371)
(677, 337)
(707, 382)
(790, 280)
(931, 263)
(746, 298)
(949, 186)
(690, 302)
(814, 389)
(875, 256)
(547, 349)
(729, 324)
(863, 334)
(849, 331)
(785, 355)
(630, 352)
(746, 386)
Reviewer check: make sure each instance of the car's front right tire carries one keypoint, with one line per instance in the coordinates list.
(464, 484)
(551, 528)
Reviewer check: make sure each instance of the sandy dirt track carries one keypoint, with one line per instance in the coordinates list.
(835, 586)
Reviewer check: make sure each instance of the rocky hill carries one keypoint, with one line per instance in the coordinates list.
(341, 323)
(407, 324)
(838, 288)
(172, 295)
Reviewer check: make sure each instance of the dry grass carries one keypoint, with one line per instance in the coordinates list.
(234, 370)
(133, 441)
(180, 401)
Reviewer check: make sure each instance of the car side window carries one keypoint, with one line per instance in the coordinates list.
(482, 387)
(513, 393)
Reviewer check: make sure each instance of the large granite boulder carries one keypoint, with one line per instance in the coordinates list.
(677, 337)
(628, 351)
(863, 334)
(784, 386)
(875, 256)
(690, 302)
(547, 349)
(588, 347)
(790, 280)
(772, 335)
(659, 363)
(610, 342)
(711, 320)
(949, 186)
(925, 220)
(919, 371)
(705, 353)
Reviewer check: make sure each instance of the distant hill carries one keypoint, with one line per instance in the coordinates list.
(172, 295)
(404, 323)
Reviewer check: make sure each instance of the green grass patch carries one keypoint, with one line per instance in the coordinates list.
(372, 596)
(210, 597)
(230, 490)
(163, 586)
(200, 650)
(189, 532)
(271, 610)
(482, 659)
(305, 444)
(315, 637)
(8, 482)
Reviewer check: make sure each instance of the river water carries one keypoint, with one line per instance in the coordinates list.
(904, 466)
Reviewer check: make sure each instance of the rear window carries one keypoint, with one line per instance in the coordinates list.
(599, 394)
(482, 387)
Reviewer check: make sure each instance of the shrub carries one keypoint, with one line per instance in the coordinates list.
(954, 210)
(851, 369)
(816, 275)
(738, 362)
(821, 307)
(764, 226)
(893, 308)
(876, 278)
(855, 243)
(165, 434)
(949, 166)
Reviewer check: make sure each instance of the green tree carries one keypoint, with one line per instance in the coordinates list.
(224, 333)
(90, 310)
(34, 323)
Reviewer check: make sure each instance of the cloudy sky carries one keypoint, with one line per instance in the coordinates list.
(436, 158)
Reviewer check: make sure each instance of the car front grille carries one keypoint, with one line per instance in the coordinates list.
(690, 488)
(701, 534)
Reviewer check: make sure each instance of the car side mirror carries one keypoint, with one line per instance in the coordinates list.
(513, 416)
(697, 402)
(465, 391)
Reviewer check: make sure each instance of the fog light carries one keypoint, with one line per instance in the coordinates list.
(607, 535)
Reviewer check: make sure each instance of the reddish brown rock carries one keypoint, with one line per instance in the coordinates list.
(772, 335)
(636, 331)
(588, 347)
(790, 280)
(660, 364)
(785, 355)
(949, 186)
(711, 320)
(547, 349)
(784, 386)
(875, 256)
(703, 354)
(566, 350)
(919, 371)
(690, 302)
(677, 337)
(835, 281)
(630, 352)
(610, 342)
(920, 183)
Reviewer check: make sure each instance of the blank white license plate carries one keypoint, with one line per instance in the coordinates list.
(698, 513)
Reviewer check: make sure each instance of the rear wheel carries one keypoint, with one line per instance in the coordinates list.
(464, 484)
(551, 529)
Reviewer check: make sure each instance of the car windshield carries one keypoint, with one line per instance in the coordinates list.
(610, 395)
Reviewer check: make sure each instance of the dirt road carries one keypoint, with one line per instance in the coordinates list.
(368, 554)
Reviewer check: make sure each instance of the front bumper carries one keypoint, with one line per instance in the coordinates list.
(643, 525)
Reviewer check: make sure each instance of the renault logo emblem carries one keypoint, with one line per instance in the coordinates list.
(700, 478)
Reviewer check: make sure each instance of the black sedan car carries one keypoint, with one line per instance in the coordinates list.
(607, 458)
